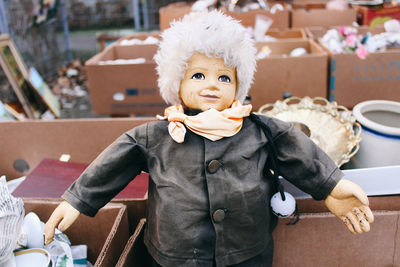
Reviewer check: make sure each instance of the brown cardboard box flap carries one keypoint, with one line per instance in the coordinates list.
(322, 240)
(82, 139)
(105, 235)
(285, 34)
(112, 249)
(135, 253)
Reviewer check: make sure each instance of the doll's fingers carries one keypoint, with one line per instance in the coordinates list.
(70, 215)
(367, 213)
(63, 216)
(359, 215)
(354, 221)
(365, 227)
(65, 223)
(348, 224)
(50, 226)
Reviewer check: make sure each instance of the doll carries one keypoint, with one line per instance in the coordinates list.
(209, 192)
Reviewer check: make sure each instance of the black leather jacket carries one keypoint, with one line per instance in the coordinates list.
(206, 199)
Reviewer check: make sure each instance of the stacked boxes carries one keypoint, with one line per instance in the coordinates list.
(175, 11)
(125, 89)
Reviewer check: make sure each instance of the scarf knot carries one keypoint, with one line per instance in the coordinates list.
(211, 124)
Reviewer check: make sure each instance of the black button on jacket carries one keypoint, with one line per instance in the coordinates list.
(206, 199)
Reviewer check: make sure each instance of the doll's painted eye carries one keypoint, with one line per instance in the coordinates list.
(198, 76)
(224, 78)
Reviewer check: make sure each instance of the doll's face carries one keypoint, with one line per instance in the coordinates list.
(208, 83)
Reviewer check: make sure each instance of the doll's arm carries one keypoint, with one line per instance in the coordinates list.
(63, 217)
(349, 203)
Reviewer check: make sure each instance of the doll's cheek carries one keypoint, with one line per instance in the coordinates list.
(188, 99)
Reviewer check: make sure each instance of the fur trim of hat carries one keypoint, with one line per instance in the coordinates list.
(213, 34)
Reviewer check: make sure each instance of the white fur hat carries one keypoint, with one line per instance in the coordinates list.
(213, 34)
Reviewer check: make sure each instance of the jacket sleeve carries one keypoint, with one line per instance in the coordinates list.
(109, 173)
(303, 163)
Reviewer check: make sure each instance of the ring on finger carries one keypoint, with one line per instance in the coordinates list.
(356, 211)
(359, 214)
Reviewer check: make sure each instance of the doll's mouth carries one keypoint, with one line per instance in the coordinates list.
(209, 97)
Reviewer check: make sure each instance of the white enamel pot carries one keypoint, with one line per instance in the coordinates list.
(380, 136)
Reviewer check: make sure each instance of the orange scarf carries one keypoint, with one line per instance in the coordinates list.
(211, 124)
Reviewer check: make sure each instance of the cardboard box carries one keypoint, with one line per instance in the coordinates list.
(379, 15)
(105, 235)
(83, 139)
(122, 89)
(318, 239)
(315, 14)
(135, 252)
(176, 11)
(353, 80)
(32, 141)
(300, 76)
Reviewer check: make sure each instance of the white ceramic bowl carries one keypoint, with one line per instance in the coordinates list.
(10, 262)
(35, 257)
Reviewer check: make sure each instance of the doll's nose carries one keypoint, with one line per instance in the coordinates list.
(212, 84)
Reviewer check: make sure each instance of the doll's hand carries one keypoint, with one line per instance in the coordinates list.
(64, 213)
(350, 204)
